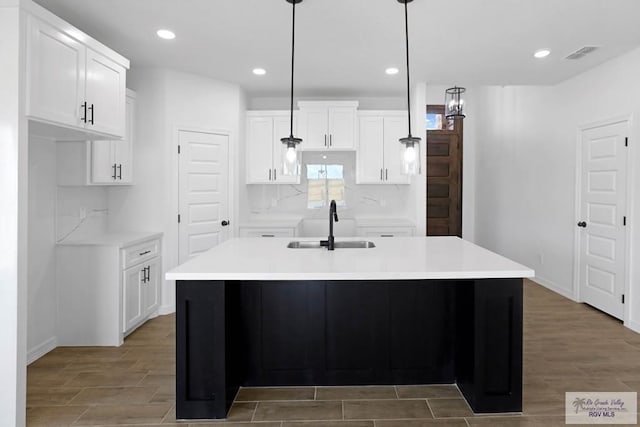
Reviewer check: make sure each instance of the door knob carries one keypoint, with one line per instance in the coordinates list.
(582, 224)
(225, 223)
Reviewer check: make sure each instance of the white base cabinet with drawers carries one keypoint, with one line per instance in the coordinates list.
(107, 287)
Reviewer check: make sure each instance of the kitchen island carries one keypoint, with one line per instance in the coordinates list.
(416, 310)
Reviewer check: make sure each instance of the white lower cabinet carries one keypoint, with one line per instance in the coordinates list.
(107, 287)
(268, 232)
(140, 293)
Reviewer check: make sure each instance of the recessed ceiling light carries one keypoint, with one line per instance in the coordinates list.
(542, 53)
(391, 71)
(166, 34)
(259, 71)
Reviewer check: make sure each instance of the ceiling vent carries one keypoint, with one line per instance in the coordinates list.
(578, 54)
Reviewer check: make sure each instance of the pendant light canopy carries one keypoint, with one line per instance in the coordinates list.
(411, 153)
(454, 103)
(291, 161)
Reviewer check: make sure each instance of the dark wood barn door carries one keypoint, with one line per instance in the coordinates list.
(444, 178)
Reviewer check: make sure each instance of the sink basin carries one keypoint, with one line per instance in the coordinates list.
(354, 244)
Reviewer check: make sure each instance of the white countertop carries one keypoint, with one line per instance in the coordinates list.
(384, 222)
(270, 222)
(119, 239)
(398, 258)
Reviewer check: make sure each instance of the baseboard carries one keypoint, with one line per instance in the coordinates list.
(553, 287)
(41, 349)
(166, 309)
(633, 325)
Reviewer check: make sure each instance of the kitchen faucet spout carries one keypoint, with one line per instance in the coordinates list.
(333, 216)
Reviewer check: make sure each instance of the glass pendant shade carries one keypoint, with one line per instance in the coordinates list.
(291, 160)
(410, 156)
(454, 102)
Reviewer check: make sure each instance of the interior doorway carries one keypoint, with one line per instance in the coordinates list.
(444, 173)
(203, 220)
(602, 221)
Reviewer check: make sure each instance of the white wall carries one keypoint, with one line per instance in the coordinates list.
(168, 100)
(41, 331)
(526, 166)
(13, 244)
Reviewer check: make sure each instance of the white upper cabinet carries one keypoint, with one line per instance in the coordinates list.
(112, 161)
(71, 85)
(379, 150)
(265, 152)
(56, 67)
(327, 125)
(105, 95)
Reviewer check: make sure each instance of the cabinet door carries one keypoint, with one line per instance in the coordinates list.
(315, 133)
(370, 150)
(281, 129)
(342, 121)
(152, 287)
(259, 150)
(55, 69)
(105, 92)
(394, 129)
(103, 166)
(123, 149)
(132, 297)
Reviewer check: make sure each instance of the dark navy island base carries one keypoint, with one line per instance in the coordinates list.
(335, 333)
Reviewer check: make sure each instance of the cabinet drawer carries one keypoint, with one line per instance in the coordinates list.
(141, 252)
(385, 231)
(267, 232)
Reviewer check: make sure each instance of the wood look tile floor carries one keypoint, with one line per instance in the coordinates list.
(567, 347)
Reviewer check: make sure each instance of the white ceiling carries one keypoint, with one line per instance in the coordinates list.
(344, 46)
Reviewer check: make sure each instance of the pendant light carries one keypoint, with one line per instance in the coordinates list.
(411, 153)
(291, 161)
(454, 103)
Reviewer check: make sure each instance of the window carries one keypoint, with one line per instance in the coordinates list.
(325, 183)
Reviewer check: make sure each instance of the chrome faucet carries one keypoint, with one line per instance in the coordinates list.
(333, 216)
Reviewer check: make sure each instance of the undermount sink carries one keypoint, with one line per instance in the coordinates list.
(353, 244)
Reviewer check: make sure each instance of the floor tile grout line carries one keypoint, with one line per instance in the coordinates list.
(430, 410)
(255, 409)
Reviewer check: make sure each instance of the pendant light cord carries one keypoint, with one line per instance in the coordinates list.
(293, 46)
(406, 33)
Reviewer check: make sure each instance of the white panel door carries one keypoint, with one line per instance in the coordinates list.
(151, 287)
(55, 71)
(103, 167)
(105, 95)
(394, 129)
(603, 206)
(123, 149)
(259, 150)
(342, 122)
(315, 129)
(132, 296)
(281, 129)
(204, 192)
(371, 145)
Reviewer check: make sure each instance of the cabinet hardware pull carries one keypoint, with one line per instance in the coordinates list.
(269, 174)
(381, 175)
(268, 235)
(386, 174)
(144, 253)
(84, 115)
(274, 175)
(225, 222)
(386, 235)
(148, 273)
(114, 172)
(330, 140)
(120, 172)
(325, 139)
(92, 111)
